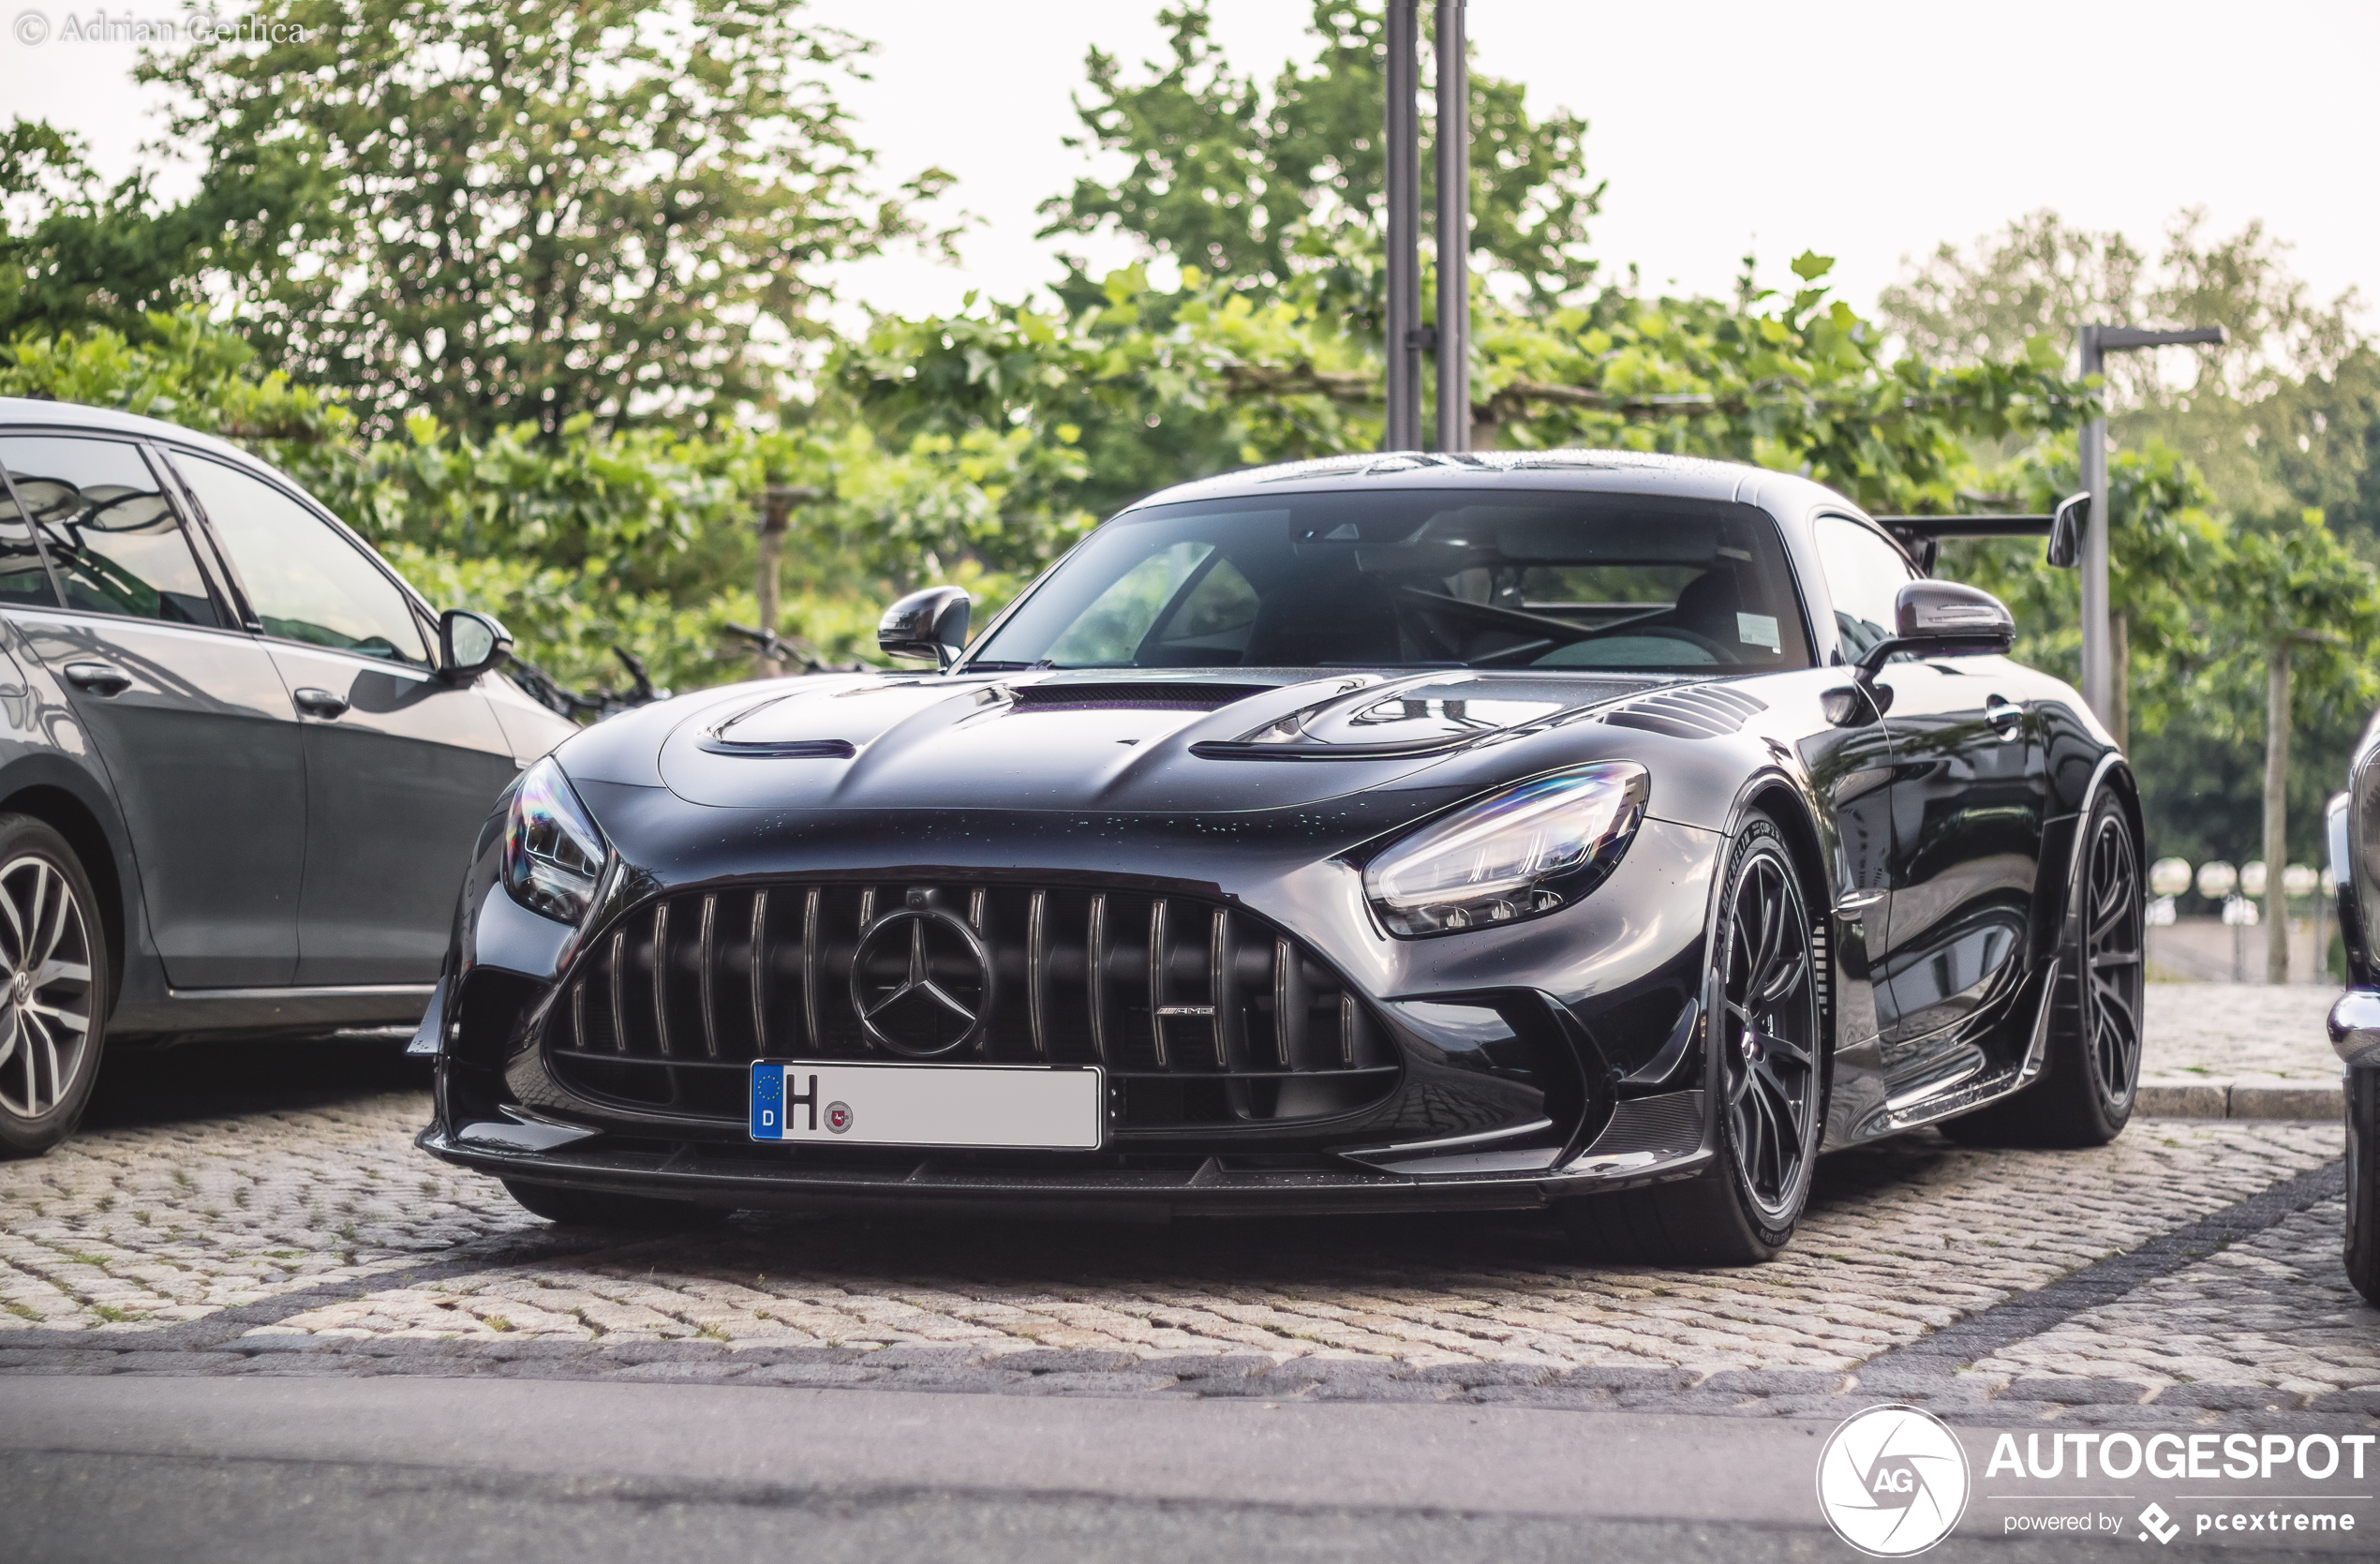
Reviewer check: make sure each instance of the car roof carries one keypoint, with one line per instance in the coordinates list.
(1785, 494)
(113, 421)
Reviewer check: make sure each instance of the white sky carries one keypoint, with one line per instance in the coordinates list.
(1869, 131)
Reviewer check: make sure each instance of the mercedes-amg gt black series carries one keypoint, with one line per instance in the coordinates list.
(1595, 832)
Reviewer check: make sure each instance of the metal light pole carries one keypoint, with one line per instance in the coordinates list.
(1402, 155)
(1454, 232)
(2098, 633)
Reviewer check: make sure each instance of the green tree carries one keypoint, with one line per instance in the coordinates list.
(642, 536)
(524, 213)
(2291, 606)
(1248, 184)
(2250, 412)
(75, 252)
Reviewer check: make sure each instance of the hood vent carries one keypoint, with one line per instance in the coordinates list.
(1123, 695)
(1703, 711)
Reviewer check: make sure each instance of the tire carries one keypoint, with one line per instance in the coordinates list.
(53, 962)
(2363, 1182)
(1770, 1069)
(601, 1208)
(2090, 1072)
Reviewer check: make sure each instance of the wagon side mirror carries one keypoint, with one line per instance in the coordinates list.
(1942, 618)
(470, 644)
(932, 623)
(2066, 530)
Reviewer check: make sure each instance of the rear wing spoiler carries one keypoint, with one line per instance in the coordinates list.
(1922, 535)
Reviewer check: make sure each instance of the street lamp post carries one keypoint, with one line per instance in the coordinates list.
(1407, 338)
(1454, 230)
(1401, 156)
(2098, 637)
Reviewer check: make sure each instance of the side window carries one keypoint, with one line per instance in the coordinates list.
(23, 579)
(1865, 574)
(109, 530)
(305, 582)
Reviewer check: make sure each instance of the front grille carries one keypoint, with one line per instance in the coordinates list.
(1202, 1015)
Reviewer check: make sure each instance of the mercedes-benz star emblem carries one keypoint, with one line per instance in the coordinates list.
(921, 982)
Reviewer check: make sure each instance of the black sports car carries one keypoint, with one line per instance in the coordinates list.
(1579, 830)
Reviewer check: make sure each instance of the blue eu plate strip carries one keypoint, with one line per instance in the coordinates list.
(768, 1102)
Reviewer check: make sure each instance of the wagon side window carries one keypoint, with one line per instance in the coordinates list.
(1865, 574)
(107, 529)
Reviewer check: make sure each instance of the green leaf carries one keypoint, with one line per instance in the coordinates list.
(1810, 265)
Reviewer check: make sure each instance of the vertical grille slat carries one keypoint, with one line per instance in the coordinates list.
(619, 1004)
(661, 979)
(1158, 1002)
(760, 972)
(707, 958)
(1223, 989)
(812, 963)
(1096, 977)
(1236, 1010)
(1038, 972)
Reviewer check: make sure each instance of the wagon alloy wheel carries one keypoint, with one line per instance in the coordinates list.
(44, 1028)
(2112, 960)
(1768, 1034)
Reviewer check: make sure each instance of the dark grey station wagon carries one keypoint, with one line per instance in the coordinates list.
(241, 761)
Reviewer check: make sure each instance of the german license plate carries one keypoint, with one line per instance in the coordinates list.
(1004, 1107)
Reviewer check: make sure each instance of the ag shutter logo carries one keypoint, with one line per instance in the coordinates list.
(1892, 1482)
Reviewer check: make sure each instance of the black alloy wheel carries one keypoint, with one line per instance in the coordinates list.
(1767, 1042)
(2114, 961)
(1768, 1065)
(2091, 1065)
(53, 962)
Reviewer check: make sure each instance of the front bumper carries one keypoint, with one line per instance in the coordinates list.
(773, 1178)
(2355, 1028)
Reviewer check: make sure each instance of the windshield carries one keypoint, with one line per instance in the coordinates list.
(1420, 578)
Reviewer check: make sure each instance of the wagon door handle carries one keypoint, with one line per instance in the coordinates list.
(98, 677)
(319, 703)
(2005, 717)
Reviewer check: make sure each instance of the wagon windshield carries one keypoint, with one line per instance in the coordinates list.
(1420, 578)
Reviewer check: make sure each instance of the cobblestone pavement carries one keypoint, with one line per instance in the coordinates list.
(199, 1228)
(2217, 1030)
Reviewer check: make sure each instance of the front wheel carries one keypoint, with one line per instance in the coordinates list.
(54, 958)
(1765, 1028)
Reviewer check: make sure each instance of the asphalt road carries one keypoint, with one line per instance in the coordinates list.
(366, 1470)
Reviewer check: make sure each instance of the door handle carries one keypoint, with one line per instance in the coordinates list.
(319, 703)
(98, 677)
(2006, 717)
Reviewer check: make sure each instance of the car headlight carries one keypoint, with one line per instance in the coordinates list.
(554, 856)
(1528, 851)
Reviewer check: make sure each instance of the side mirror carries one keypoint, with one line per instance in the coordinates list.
(932, 623)
(2066, 530)
(1942, 618)
(470, 644)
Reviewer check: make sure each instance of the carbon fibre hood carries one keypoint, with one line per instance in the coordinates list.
(1245, 740)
